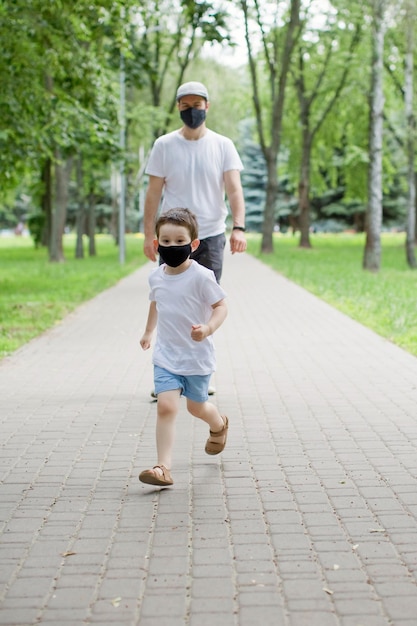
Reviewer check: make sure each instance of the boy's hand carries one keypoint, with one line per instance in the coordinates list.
(145, 342)
(199, 332)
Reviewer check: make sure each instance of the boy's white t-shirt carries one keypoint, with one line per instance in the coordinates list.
(204, 161)
(181, 301)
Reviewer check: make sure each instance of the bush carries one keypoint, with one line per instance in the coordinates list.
(36, 224)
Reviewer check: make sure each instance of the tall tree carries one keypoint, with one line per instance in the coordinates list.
(270, 65)
(372, 251)
(320, 76)
(410, 15)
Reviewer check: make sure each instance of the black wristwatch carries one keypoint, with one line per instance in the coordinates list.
(239, 228)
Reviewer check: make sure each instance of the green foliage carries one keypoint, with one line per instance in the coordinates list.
(385, 302)
(36, 294)
(254, 178)
(339, 149)
(60, 88)
(36, 224)
(167, 37)
(55, 88)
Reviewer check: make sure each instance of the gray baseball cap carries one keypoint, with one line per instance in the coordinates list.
(192, 88)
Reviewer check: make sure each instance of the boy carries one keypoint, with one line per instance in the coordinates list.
(188, 306)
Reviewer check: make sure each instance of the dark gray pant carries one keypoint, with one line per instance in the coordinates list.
(210, 253)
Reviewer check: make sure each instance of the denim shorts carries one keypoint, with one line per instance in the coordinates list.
(193, 387)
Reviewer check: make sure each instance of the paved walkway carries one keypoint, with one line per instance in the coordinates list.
(309, 517)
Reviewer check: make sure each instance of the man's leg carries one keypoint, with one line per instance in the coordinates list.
(210, 254)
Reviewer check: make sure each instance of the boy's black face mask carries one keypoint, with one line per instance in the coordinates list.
(174, 255)
(193, 118)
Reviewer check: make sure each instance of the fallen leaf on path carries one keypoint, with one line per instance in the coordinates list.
(329, 591)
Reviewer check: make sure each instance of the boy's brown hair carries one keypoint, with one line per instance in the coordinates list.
(181, 217)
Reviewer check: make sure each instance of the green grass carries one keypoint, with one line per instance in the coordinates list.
(332, 269)
(35, 294)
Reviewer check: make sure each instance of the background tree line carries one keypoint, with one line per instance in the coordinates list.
(321, 108)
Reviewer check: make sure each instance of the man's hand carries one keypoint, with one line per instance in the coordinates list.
(237, 241)
(149, 249)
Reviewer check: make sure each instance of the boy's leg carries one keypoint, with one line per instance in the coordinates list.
(207, 412)
(167, 410)
(218, 424)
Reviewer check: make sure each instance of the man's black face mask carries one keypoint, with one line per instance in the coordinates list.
(193, 118)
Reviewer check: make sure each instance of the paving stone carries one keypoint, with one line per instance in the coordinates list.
(309, 517)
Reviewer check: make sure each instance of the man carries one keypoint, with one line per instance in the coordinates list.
(193, 168)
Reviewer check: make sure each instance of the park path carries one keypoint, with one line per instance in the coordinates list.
(309, 517)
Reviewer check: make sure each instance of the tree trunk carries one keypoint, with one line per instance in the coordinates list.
(80, 221)
(47, 183)
(114, 230)
(372, 253)
(408, 96)
(304, 192)
(46, 201)
(62, 175)
(92, 224)
(267, 244)
(415, 208)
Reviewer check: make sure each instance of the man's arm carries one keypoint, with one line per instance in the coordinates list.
(152, 200)
(234, 193)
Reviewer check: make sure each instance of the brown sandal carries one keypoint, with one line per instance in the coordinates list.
(215, 447)
(152, 477)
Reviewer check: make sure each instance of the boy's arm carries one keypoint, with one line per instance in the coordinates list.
(219, 314)
(145, 342)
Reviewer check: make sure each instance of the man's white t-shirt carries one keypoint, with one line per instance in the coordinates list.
(193, 174)
(183, 300)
